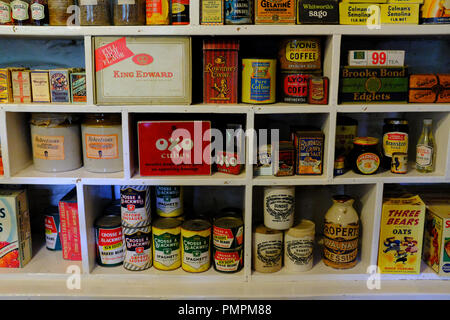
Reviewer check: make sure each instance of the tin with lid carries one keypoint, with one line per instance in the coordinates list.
(259, 81)
(109, 241)
(166, 243)
(228, 232)
(300, 54)
(228, 260)
(365, 158)
(138, 248)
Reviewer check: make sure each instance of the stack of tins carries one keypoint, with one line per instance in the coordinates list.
(301, 78)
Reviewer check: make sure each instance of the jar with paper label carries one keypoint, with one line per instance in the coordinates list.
(19, 10)
(5, 12)
(298, 246)
(56, 143)
(102, 142)
(267, 249)
(95, 12)
(129, 12)
(279, 205)
(395, 139)
(39, 12)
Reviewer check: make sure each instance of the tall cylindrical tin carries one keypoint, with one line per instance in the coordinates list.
(138, 248)
(135, 206)
(180, 12)
(166, 243)
(279, 205)
(169, 201)
(259, 80)
(298, 247)
(267, 249)
(196, 245)
(238, 11)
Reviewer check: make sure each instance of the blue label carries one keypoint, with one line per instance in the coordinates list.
(260, 89)
(238, 11)
(446, 268)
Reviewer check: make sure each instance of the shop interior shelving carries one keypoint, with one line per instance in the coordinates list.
(47, 273)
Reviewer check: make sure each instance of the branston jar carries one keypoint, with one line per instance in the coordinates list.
(279, 205)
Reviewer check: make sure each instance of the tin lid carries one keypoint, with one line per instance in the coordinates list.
(365, 141)
(52, 119)
(304, 228)
(395, 121)
(215, 44)
(228, 222)
(262, 229)
(167, 223)
(108, 221)
(196, 225)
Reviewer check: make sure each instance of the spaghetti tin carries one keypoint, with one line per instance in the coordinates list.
(180, 12)
(309, 146)
(238, 11)
(300, 54)
(166, 243)
(267, 249)
(220, 71)
(429, 88)
(40, 86)
(109, 241)
(135, 206)
(228, 260)
(279, 207)
(196, 245)
(212, 12)
(52, 229)
(318, 90)
(258, 81)
(78, 87)
(274, 12)
(59, 85)
(138, 248)
(317, 12)
(399, 13)
(21, 86)
(284, 162)
(228, 232)
(169, 201)
(294, 87)
(399, 162)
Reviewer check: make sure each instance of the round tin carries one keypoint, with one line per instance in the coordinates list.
(138, 248)
(109, 241)
(298, 54)
(52, 229)
(169, 201)
(195, 245)
(339, 166)
(135, 206)
(228, 261)
(267, 249)
(279, 205)
(166, 243)
(238, 12)
(259, 81)
(399, 163)
(228, 232)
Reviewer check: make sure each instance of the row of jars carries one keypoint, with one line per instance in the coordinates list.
(57, 145)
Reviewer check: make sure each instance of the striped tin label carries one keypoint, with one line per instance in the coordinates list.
(138, 248)
(135, 206)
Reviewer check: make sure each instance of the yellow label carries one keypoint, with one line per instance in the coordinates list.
(166, 248)
(302, 51)
(157, 12)
(275, 11)
(5, 86)
(357, 13)
(196, 250)
(212, 12)
(102, 146)
(395, 142)
(48, 147)
(400, 13)
(406, 1)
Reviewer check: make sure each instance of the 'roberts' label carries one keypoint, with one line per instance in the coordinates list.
(167, 249)
(196, 251)
(48, 147)
(99, 146)
(110, 245)
(340, 243)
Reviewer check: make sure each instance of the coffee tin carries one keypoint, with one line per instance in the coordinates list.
(300, 54)
(52, 229)
(294, 87)
(138, 248)
(238, 11)
(228, 260)
(259, 81)
(135, 206)
(169, 201)
(228, 232)
(109, 241)
(166, 243)
(196, 245)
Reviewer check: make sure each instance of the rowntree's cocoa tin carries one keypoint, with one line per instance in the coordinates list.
(300, 54)
(228, 260)
(135, 206)
(109, 241)
(196, 245)
(166, 243)
(169, 201)
(258, 80)
(294, 87)
(228, 232)
(138, 248)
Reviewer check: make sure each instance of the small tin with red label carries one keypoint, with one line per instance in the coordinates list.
(228, 232)
(52, 229)
(294, 87)
(109, 241)
(138, 248)
(318, 90)
(229, 261)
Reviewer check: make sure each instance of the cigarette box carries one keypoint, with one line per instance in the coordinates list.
(369, 58)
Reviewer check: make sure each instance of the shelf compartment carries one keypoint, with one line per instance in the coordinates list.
(406, 107)
(217, 179)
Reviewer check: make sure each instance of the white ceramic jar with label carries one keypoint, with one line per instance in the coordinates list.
(298, 247)
(279, 205)
(267, 249)
(102, 142)
(56, 143)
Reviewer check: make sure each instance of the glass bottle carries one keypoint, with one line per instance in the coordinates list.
(5, 12)
(426, 148)
(129, 12)
(20, 12)
(39, 12)
(95, 12)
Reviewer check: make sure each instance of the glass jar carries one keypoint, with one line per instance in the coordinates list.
(20, 12)
(5, 12)
(395, 139)
(365, 158)
(102, 142)
(39, 12)
(57, 9)
(95, 12)
(55, 140)
(129, 12)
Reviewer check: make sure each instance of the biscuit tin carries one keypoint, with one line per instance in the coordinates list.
(274, 11)
(21, 86)
(40, 86)
(429, 88)
(180, 12)
(317, 12)
(59, 85)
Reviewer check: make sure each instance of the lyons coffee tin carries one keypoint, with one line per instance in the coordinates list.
(109, 241)
(135, 206)
(294, 87)
(196, 245)
(228, 260)
(267, 249)
(259, 81)
(279, 205)
(169, 201)
(166, 243)
(238, 11)
(52, 229)
(138, 248)
(228, 232)
(300, 54)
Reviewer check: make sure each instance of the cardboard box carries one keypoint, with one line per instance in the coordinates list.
(6, 95)
(143, 70)
(275, 11)
(15, 230)
(374, 85)
(436, 240)
(401, 234)
(174, 148)
(309, 151)
(357, 13)
(318, 12)
(406, 1)
(59, 85)
(400, 13)
(212, 12)
(40, 86)
(429, 88)
(21, 86)
(435, 12)
(371, 58)
(70, 227)
(78, 87)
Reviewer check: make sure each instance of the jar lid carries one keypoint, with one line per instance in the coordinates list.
(395, 121)
(48, 119)
(365, 141)
(304, 228)
(262, 229)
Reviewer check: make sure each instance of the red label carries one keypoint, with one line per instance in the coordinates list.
(228, 163)
(131, 207)
(108, 237)
(396, 136)
(50, 224)
(296, 85)
(111, 54)
(142, 59)
(225, 233)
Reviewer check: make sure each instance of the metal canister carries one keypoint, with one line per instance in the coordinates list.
(228, 232)
(318, 90)
(339, 166)
(300, 54)
(52, 229)
(229, 261)
(196, 245)
(180, 12)
(166, 243)
(259, 81)
(135, 206)
(295, 87)
(138, 248)
(399, 162)
(109, 241)
(169, 201)
(238, 12)
(284, 161)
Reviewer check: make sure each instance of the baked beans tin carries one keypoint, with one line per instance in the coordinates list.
(166, 243)
(300, 54)
(169, 201)
(109, 241)
(274, 11)
(294, 87)
(228, 260)
(135, 206)
(258, 81)
(138, 248)
(196, 245)
(318, 90)
(228, 232)
(238, 11)
(52, 229)
(399, 163)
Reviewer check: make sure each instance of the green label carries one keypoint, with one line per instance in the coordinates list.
(167, 242)
(196, 245)
(375, 85)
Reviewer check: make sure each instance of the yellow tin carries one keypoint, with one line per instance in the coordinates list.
(196, 245)
(259, 80)
(166, 244)
(169, 201)
(406, 1)
(400, 13)
(357, 13)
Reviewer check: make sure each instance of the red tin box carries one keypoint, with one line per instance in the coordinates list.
(174, 148)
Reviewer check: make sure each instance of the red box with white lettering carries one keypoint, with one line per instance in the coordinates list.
(70, 226)
(174, 148)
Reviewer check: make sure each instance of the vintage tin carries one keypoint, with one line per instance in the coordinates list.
(238, 11)
(267, 249)
(40, 86)
(309, 146)
(399, 13)
(356, 13)
(434, 12)
(135, 206)
(279, 207)
(258, 81)
(318, 90)
(196, 245)
(429, 88)
(317, 12)
(138, 248)
(52, 229)
(59, 85)
(158, 12)
(284, 162)
(228, 232)
(228, 260)
(212, 12)
(399, 163)
(294, 87)
(109, 241)
(300, 54)
(143, 70)
(78, 87)
(220, 71)
(264, 163)
(372, 58)
(339, 165)
(180, 12)
(166, 243)
(159, 154)
(21, 86)
(275, 12)
(169, 201)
